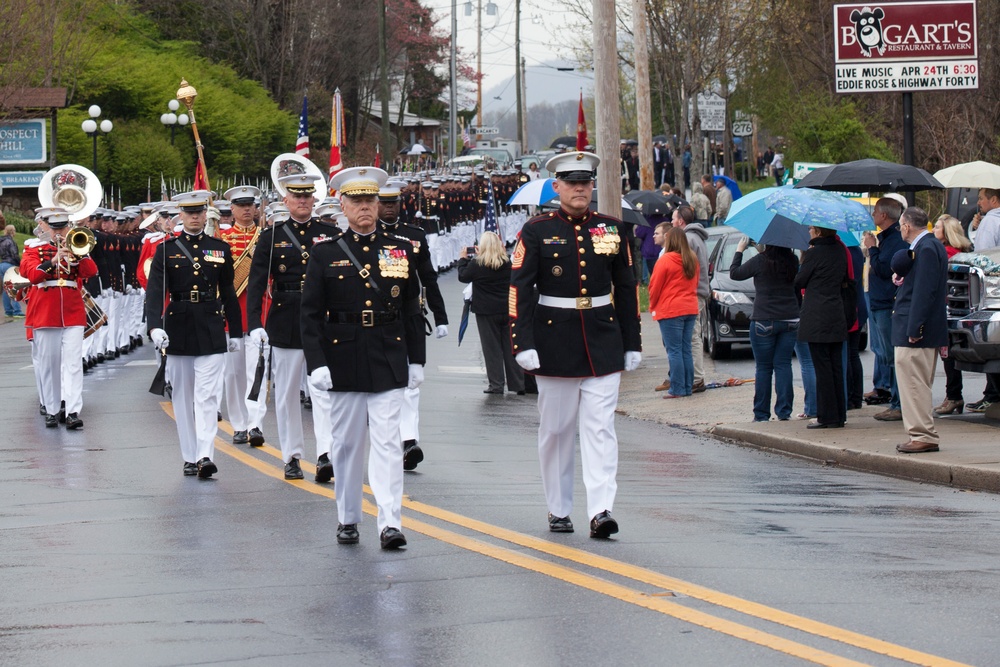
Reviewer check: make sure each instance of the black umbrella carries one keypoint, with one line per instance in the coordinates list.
(629, 215)
(660, 137)
(649, 202)
(564, 142)
(869, 175)
(630, 142)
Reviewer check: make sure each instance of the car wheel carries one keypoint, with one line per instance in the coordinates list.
(717, 350)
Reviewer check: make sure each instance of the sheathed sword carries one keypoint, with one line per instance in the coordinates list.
(258, 376)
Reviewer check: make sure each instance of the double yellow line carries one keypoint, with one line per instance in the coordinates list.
(662, 601)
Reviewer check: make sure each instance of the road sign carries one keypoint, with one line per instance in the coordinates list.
(742, 128)
(484, 130)
(711, 112)
(22, 142)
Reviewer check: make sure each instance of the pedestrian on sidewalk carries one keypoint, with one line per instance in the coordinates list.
(683, 217)
(948, 230)
(774, 324)
(673, 303)
(919, 328)
(823, 323)
(9, 258)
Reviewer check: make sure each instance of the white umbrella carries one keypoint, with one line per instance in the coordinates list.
(976, 174)
(417, 149)
(533, 193)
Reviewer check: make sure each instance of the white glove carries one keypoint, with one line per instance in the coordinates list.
(528, 360)
(320, 379)
(442, 331)
(419, 214)
(159, 338)
(106, 292)
(416, 376)
(234, 344)
(258, 336)
(632, 360)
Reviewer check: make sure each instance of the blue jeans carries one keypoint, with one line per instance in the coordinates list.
(882, 330)
(772, 342)
(676, 333)
(10, 308)
(808, 376)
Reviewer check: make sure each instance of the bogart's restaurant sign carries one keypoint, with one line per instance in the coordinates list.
(906, 46)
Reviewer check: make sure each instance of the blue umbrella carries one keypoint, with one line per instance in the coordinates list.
(751, 216)
(731, 184)
(464, 324)
(533, 193)
(819, 208)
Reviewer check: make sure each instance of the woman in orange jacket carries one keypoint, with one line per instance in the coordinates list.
(673, 302)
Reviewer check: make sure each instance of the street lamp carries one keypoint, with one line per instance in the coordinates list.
(172, 120)
(90, 126)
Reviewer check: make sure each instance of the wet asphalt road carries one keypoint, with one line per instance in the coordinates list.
(727, 555)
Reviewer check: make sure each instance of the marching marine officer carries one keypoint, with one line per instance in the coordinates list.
(278, 270)
(363, 334)
(576, 332)
(57, 317)
(192, 276)
(388, 214)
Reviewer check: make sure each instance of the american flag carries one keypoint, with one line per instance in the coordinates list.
(302, 143)
(466, 137)
(490, 222)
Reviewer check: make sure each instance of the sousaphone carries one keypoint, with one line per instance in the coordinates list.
(287, 164)
(71, 187)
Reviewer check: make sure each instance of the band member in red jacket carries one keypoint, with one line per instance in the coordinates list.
(58, 318)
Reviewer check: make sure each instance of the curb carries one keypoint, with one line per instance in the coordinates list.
(910, 467)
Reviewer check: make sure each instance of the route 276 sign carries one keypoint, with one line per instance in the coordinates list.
(906, 46)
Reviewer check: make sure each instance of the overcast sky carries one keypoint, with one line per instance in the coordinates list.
(539, 18)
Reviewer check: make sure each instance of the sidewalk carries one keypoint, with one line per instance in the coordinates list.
(970, 443)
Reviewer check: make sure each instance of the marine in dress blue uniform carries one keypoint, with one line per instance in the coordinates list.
(189, 302)
(363, 337)
(575, 326)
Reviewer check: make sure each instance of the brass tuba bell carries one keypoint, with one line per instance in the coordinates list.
(15, 285)
(80, 241)
(73, 188)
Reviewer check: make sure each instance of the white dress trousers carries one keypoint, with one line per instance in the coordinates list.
(197, 391)
(289, 365)
(562, 404)
(322, 405)
(409, 418)
(354, 416)
(236, 387)
(57, 363)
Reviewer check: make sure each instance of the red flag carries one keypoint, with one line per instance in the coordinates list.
(200, 178)
(581, 127)
(378, 157)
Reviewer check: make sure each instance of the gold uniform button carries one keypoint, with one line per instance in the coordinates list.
(579, 238)
(513, 335)
(515, 347)
(583, 250)
(365, 248)
(368, 266)
(195, 273)
(340, 277)
(367, 284)
(335, 341)
(195, 246)
(398, 338)
(368, 303)
(583, 263)
(578, 228)
(583, 291)
(549, 322)
(302, 233)
(555, 255)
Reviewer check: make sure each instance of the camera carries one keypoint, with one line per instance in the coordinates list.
(470, 251)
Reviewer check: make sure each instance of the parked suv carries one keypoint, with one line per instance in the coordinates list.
(730, 302)
(974, 311)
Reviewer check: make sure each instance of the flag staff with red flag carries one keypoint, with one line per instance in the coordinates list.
(581, 127)
(336, 135)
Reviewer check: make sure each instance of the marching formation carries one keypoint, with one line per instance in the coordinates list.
(327, 302)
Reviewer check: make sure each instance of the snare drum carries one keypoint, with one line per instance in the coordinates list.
(96, 318)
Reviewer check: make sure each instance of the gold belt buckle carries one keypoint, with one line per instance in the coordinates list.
(583, 303)
(195, 296)
(61, 282)
(367, 318)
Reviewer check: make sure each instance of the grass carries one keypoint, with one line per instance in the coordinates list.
(643, 298)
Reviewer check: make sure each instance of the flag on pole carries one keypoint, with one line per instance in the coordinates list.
(581, 127)
(466, 137)
(302, 143)
(378, 157)
(200, 179)
(336, 134)
(490, 221)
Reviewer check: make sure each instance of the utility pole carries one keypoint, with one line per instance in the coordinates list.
(522, 107)
(383, 65)
(479, 67)
(643, 110)
(522, 137)
(453, 102)
(606, 96)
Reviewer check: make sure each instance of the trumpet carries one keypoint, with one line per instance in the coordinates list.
(79, 241)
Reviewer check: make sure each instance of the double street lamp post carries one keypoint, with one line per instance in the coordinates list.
(172, 119)
(90, 126)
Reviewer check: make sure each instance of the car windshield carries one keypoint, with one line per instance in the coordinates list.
(728, 251)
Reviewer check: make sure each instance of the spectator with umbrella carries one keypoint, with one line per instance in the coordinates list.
(489, 272)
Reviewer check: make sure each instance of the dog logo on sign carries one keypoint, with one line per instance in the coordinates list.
(868, 25)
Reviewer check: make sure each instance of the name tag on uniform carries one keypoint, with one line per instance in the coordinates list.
(283, 244)
(340, 262)
(215, 256)
(177, 256)
(555, 240)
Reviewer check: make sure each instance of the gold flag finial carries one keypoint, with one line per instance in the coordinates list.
(186, 93)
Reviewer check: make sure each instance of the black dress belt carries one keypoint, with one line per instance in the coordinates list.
(288, 287)
(366, 318)
(194, 296)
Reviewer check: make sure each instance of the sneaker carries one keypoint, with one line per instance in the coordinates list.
(890, 415)
(978, 406)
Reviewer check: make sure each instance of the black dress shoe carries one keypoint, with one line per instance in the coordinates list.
(603, 525)
(206, 468)
(41, 409)
(347, 534)
(324, 469)
(62, 412)
(520, 393)
(560, 524)
(190, 469)
(73, 421)
(492, 391)
(392, 538)
(828, 425)
(293, 470)
(307, 403)
(51, 421)
(240, 438)
(302, 396)
(218, 416)
(256, 437)
(412, 454)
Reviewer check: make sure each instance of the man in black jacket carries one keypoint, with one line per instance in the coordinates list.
(919, 327)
